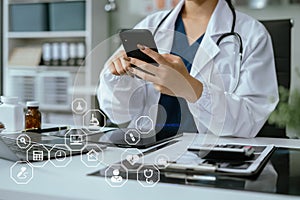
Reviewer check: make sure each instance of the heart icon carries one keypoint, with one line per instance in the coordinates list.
(132, 159)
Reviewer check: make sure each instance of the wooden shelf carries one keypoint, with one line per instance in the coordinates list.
(47, 34)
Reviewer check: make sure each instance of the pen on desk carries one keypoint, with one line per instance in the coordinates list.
(205, 168)
(191, 177)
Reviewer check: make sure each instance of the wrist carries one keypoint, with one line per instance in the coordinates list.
(195, 90)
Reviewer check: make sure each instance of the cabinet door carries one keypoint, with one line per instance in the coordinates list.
(53, 90)
(23, 84)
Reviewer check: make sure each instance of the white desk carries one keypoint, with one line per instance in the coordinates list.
(72, 182)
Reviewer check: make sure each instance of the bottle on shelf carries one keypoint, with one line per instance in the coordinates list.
(11, 114)
(64, 47)
(72, 54)
(46, 54)
(80, 54)
(55, 54)
(33, 117)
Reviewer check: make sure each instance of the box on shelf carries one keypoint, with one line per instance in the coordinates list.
(67, 16)
(29, 17)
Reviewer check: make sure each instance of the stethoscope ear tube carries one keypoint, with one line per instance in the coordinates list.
(238, 38)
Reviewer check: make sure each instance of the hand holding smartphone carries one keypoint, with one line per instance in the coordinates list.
(131, 38)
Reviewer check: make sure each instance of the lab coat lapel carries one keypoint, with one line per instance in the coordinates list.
(165, 34)
(206, 52)
(219, 24)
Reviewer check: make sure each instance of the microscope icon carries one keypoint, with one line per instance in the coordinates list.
(94, 121)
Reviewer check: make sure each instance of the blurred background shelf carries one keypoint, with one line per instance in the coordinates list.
(34, 23)
(72, 69)
(38, 1)
(47, 34)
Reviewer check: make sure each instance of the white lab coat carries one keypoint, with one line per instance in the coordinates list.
(240, 113)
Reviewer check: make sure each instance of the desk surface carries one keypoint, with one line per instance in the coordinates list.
(72, 181)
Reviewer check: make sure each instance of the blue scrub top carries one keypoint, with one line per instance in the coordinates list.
(178, 117)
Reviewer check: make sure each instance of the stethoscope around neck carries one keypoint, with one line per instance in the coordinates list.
(232, 33)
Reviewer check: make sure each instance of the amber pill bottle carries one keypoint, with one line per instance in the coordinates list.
(33, 117)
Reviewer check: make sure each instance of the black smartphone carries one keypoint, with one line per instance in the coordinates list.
(132, 37)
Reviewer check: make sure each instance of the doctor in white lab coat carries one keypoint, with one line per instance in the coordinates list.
(224, 97)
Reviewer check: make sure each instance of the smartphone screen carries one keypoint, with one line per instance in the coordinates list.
(131, 38)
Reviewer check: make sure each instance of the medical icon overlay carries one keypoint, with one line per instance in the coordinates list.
(92, 119)
(23, 141)
(79, 106)
(76, 139)
(132, 159)
(38, 154)
(148, 176)
(116, 175)
(60, 155)
(144, 124)
(93, 157)
(162, 161)
(21, 172)
(132, 137)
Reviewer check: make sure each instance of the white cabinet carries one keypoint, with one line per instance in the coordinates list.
(55, 87)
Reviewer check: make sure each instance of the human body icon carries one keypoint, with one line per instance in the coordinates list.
(116, 178)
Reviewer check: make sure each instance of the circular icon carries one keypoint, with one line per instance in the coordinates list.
(132, 137)
(93, 157)
(162, 161)
(60, 152)
(116, 175)
(37, 155)
(60, 155)
(132, 159)
(148, 176)
(76, 139)
(21, 173)
(92, 119)
(79, 106)
(144, 124)
(23, 141)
